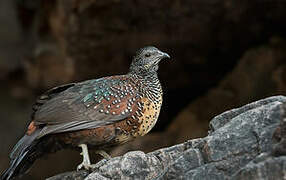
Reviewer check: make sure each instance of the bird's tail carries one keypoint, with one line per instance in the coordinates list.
(22, 156)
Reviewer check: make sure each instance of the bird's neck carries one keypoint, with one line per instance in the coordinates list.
(148, 84)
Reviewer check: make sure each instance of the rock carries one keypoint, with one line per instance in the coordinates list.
(147, 143)
(239, 146)
(75, 175)
(263, 168)
(279, 137)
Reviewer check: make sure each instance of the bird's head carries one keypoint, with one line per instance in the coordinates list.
(146, 60)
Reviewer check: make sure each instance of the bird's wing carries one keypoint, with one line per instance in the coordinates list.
(87, 105)
(48, 96)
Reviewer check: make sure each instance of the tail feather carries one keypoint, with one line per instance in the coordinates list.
(21, 156)
(23, 143)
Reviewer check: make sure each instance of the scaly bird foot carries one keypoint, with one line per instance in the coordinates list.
(85, 162)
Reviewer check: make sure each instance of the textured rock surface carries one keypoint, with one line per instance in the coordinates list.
(265, 167)
(240, 145)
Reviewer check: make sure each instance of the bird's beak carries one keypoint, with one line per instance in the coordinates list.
(164, 55)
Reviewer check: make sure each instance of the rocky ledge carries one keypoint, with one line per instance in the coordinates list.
(244, 143)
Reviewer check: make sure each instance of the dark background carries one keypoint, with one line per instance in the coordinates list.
(225, 53)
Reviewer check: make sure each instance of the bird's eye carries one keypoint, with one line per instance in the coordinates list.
(147, 55)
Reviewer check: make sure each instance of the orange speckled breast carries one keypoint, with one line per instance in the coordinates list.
(150, 115)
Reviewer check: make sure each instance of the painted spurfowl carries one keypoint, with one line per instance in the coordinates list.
(97, 113)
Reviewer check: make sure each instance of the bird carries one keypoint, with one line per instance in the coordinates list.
(97, 113)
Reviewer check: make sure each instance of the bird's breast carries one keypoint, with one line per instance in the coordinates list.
(148, 115)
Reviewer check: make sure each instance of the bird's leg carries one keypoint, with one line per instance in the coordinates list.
(103, 154)
(85, 162)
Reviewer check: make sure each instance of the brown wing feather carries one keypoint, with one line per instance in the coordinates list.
(70, 111)
(48, 96)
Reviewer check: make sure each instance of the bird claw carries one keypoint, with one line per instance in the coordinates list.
(84, 166)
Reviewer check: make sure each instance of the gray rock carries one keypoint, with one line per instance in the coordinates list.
(74, 175)
(239, 146)
(266, 168)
